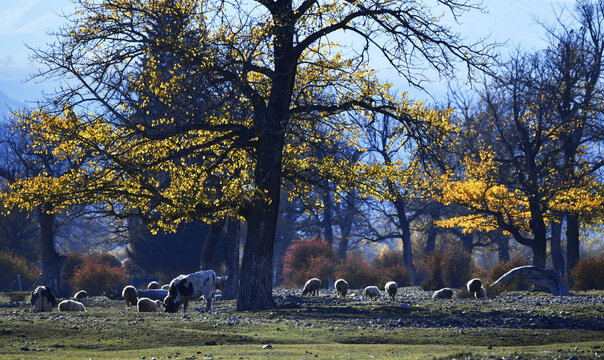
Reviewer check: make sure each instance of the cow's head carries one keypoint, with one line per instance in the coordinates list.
(178, 290)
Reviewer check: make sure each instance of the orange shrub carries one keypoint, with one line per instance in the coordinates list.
(589, 274)
(357, 272)
(12, 265)
(97, 277)
(306, 259)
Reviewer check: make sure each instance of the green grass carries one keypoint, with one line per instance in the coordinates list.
(354, 331)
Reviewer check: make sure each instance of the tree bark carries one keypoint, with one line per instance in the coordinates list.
(327, 214)
(230, 246)
(556, 248)
(406, 238)
(346, 227)
(53, 263)
(503, 247)
(209, 245)
(431, 240)
(572, 244)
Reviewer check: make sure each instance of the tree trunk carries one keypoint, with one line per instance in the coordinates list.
(503, 247)
(431, 240)
(539, 230)
(53, 264)
(255, 280)
(572, 244)
(467, 241)
(209, 245)
(327, 214)
(230, 246)
(556, 249)
(406, 238)
(346, 227)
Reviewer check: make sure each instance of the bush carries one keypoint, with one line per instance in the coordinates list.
(12, 265)
(389, 266)
(451, 268)
(98, 277)
(306, 259)
(498, 270)
(589, 274)
(357, 272)
(75, 260)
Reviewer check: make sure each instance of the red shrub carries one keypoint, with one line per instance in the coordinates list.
(306, 259)
(97, 277)
(357, 272)
(589, 274)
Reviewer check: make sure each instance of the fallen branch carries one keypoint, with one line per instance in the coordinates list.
(540, 278)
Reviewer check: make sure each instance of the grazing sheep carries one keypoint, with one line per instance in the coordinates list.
(191, 286)
(444, 293)
(80, 295)
(391, 289)
(71, 305)
(148, 305)
(476, 289)
(220, 281)
(372, 292)
(341, 287)
(153, 285)
(165, 286)
(43, 299)
(312, 286)
(130, 295)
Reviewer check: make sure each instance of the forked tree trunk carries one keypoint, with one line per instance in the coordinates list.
(230, 246)
(53, 263)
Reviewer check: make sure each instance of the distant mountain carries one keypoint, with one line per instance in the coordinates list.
(7, 104)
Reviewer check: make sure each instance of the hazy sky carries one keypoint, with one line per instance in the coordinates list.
(28, 22)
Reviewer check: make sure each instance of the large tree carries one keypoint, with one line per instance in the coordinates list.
(270, 72)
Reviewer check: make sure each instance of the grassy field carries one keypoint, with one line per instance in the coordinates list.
(414, 327)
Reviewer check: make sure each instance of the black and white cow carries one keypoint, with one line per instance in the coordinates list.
(186, 287)
(43, 299)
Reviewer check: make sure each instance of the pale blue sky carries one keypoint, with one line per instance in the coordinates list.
(28, 22)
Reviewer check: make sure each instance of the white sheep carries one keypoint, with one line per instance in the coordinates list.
(341, 287)
(71, 305)
(444, 293)
(372, 292)
(130, 295)
(391, 289)
(153, 285)
(43, 299)
(312, 286)
(476, 289)
(80, 295)
(147, 305)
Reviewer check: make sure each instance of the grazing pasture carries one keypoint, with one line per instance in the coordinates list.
(515, 325)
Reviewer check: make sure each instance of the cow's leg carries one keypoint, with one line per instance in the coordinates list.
(185, 305)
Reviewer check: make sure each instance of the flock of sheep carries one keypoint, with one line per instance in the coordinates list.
(312, 286)
(204, 283)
